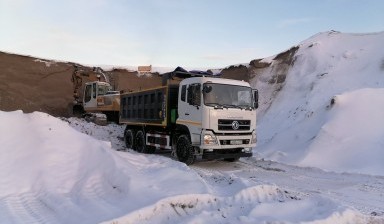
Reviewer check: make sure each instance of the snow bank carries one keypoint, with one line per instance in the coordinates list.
(299, 128)
(352, 138)
(51, 173)
(259, 204)
(112, 134)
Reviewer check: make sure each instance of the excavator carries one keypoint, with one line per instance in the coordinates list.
(94, 97)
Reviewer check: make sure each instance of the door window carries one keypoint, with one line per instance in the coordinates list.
(88, 93)
(94, 90)
(183, 92)
(194, 94)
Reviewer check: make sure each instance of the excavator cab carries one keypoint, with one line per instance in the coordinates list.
(92, 93)
(100, 100)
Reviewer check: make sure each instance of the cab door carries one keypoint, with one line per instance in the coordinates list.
(90, 96)
(190, 113)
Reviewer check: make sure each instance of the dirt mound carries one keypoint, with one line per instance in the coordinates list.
(32, 84)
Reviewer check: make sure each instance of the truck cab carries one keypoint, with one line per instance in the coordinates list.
(220, 116)
(193, 114)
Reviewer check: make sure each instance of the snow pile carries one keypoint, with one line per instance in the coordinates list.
(353, 134)
(112, 134)
(301, 127)
(51, 173)
(260, 204)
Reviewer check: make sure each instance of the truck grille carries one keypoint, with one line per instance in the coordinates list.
(234, 125)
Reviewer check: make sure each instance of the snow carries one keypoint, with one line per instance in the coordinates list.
(318, 159)
(297, 124)
(66, 171)
(351, 142)
(47, 63)
(50, 167)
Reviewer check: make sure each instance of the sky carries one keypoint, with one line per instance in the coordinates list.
(171, 33)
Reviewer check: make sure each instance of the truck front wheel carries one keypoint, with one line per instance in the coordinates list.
(184, 150)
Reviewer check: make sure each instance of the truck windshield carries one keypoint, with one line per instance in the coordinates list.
(224, 95)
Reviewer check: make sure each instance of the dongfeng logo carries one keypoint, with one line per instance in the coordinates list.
(235, 125)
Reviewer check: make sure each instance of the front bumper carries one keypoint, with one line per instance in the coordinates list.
(227, 141)
(225, 154)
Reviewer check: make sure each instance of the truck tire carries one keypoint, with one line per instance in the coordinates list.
(140, 142)
(184, 150)
(129, 138)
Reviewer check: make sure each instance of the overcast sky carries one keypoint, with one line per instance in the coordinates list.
(170, 33)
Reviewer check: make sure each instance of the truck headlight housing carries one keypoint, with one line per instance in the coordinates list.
(254, 137)
(210, 139)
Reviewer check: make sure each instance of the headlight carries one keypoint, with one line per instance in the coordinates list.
(210, 139)
(254, 138)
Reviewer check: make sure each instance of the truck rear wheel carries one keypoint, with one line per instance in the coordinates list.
(140, 142)
(129, 139)
(184, 150)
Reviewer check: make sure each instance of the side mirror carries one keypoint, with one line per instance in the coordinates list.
(255, 98)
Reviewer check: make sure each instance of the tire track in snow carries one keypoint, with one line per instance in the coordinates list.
(27, 208)
(362, 192)
(225, 209)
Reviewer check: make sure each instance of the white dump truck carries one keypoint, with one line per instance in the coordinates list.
(193, 114)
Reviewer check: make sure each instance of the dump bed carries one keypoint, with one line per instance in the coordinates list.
(157, 106)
